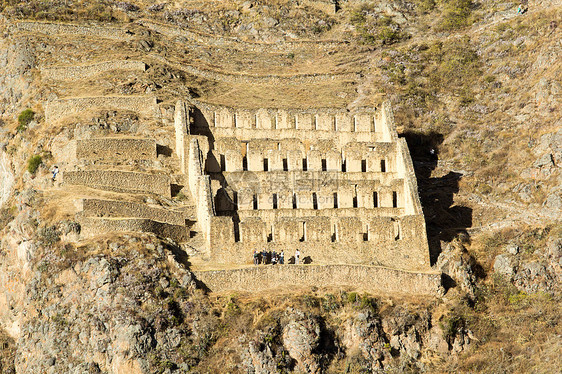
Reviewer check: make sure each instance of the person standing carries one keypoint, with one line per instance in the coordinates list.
(297, 256)
(55, 171)
(281, 257)
(256, 259)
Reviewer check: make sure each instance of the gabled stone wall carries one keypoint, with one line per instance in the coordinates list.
(337, 185)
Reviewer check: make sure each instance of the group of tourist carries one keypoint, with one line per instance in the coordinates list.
(272, 257)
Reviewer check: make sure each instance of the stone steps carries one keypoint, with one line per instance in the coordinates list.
(120, 181)
(196, 244)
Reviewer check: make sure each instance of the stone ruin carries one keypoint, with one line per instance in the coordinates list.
(338, 185)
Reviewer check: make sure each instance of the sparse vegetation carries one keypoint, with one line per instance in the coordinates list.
(373, 28)
(48, 236)
(24, 119)
(59, 10)
(456, 14)
(33, 163)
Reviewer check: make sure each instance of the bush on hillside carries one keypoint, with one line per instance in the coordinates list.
(373, 28)
(24, 119)
(33, 163)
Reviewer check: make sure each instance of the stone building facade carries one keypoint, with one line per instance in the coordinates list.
(338, 185)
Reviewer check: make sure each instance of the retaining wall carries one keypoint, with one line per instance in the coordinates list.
(116, 148)
(145, 105)
(371, 279)
(120, 181)
(96, 226)
(114, 208)
(86, 71)
(181, 129)
(234, 43)
(69, 29)
(244, 78)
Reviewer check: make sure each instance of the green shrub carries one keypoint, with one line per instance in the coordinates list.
(24, 119)
(33, 163)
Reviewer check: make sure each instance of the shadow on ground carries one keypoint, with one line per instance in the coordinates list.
(444, 220)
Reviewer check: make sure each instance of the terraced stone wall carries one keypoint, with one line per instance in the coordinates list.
(96, 226)
(113, 208)
(120, 181)
(64, 73)
(144, 105)
(116, 148)
(360, 278)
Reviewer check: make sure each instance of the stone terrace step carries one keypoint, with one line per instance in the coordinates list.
(116, 209)
(120, 181)
(90, 70)
(92, 226)
(116, 148)
(362, 278)
(60, 108)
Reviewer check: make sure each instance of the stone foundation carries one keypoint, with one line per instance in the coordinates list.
(361, 278)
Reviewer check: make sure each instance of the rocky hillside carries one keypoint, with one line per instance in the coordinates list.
(474, 81)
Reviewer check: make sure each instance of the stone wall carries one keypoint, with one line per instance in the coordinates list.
(144, 105)
(288, 277)
(200, 188)
(338, 125)
(113, 208)
(90, 70)
(95, 226)
(75, 30)
(389, 241)
(235, 43)
(253, 191)
(412, 200)
(320, 155)
(120, 181)
(181, 130)
(116, 148)
(337, 184)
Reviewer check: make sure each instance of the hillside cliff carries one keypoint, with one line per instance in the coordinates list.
(475, 82)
